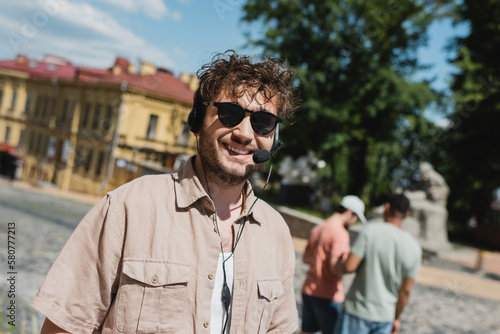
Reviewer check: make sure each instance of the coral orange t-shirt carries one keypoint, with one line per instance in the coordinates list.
(328, 240)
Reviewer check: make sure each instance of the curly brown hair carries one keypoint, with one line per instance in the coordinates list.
(236, 75)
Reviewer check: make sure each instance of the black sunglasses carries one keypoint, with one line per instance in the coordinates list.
(231, 114)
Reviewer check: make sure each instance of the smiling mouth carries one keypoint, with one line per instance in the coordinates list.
(237, 151)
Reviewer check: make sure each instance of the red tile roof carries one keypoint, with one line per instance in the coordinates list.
(40, 69)
(163, 83)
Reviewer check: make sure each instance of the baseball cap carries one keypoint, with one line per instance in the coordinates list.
(356, 205)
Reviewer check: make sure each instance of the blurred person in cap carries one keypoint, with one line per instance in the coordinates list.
(322, 292)
(387, 260)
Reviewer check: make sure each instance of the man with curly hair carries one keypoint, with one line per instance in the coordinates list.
(193, 251)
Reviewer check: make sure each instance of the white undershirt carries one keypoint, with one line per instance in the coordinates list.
(217, 311)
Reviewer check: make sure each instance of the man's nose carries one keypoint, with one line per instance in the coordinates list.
(244, 130)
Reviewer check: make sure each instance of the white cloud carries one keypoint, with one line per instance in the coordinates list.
(155, 9)
(80, 32)
(126, 5)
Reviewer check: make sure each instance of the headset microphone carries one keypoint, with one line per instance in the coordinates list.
(262, 156)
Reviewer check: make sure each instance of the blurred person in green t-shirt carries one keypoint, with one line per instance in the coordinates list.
(387, 260)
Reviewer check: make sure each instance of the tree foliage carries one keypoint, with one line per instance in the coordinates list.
(352, 60)
(472, 143)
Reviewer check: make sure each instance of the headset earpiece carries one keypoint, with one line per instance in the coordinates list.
(196, 115)
(193, 123)
(276, 142)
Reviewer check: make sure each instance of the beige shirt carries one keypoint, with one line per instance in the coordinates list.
(143, 260)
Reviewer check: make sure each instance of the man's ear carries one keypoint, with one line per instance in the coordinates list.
(387, 207)
(351, 214)
(408, 213)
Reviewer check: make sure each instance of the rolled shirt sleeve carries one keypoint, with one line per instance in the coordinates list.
(79, 288)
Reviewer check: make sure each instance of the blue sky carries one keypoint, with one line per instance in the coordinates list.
(180, 35)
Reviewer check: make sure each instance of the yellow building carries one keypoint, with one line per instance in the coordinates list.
(14, 103)
(91, 130)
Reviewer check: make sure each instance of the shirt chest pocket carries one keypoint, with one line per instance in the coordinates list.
(151, 296)
(269, 290)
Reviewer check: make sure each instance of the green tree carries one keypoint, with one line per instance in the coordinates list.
(352, 60)
(473, 139)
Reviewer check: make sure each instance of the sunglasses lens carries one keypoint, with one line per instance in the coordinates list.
(263, 123)
(230, 115)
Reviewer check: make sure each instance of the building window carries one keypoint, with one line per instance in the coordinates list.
(1, 96)
(100, 163)
(109, 118)
(39, 145)
(86, 114)
(66, 149)
(97, 116)
(31, 142)
(68, 112)
(28, 104)
(46, 106)
(38, 106)
(88, 161)
(151, 134)
(64, 112)
(7, 134)
(53, 103)
(183, 138)
(14, 98)
(51, 147)
(22, 134)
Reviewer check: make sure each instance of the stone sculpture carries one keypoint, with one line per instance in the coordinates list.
(428, 204)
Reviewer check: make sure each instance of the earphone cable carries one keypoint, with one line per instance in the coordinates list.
(240, 231)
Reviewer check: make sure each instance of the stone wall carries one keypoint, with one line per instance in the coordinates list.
(300, 224)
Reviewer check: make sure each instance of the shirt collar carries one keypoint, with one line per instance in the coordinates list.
(188, 190)
(256, 210)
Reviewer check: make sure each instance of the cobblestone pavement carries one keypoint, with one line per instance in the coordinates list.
(43, 223)
(42, 226)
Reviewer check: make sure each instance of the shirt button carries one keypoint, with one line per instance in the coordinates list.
(215, 230)
(210, 276)
(206, 324)
(154, 279)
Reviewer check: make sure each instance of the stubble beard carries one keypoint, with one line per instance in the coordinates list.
(215, 169)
